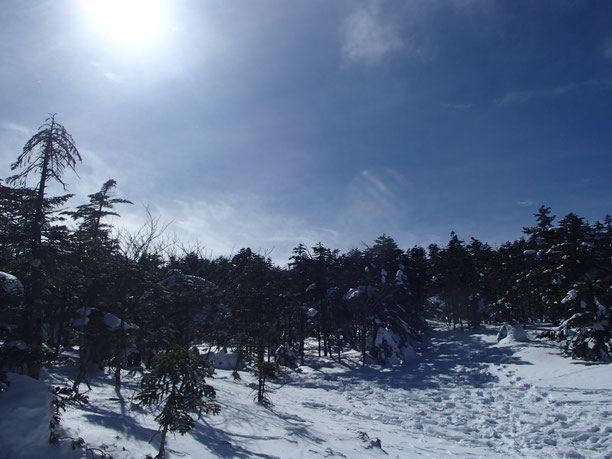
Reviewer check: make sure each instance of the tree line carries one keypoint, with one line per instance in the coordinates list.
(126, 298)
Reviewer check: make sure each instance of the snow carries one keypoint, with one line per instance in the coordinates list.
(10, 284)
(463, 395)
(19, 344)
(571, 296)
(113, 323)
(175, 276)
(222, 359)
(511, 333)
(353, 293)
(24, 424)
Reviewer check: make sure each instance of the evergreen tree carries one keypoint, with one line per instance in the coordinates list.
(97, 258)
(177, 387)
(46, 154)
(299, 279)
(387, 316)
(455, 279)
(254, 300)
(582, 297)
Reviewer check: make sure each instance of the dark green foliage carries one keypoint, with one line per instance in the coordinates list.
(176, 387)
(92, 214)
(46, 155)
(456, 282)
(255, 302)
(581, 297)
(386, 315)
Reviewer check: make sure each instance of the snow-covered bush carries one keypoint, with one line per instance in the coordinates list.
(509, 333)
(587, 333)
(224, 360)
(391, 349)
(286, 356)
(10, 284)
(391, 321)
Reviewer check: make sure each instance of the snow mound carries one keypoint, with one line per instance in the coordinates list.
(511, 333)
(177, 277)
(390, 349)
(223, 360)
(24, 424)
(10, 284)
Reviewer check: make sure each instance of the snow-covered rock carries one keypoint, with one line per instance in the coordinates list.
(511, 333)
(571, 296)
(223, 360)
(176, 277)
(285, 356)
(10, 284)
(389, 348)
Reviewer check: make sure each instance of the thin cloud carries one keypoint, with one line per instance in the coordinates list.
(457, 106)
(366, 38)
(524, 96)
(226, 222)
(608, 49)
(527, 203)
(14, 127)
(113, 77)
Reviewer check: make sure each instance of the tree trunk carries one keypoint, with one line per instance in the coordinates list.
(162, 444)
(302, 326)
(261, 374)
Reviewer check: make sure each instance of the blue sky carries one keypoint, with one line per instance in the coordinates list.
(269, 123)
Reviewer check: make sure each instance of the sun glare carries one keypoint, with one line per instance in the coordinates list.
(127, 22)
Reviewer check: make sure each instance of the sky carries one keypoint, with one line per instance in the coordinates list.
(266, 123)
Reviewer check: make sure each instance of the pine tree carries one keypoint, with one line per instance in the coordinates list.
(386, 315)
(254, 301)
(97, 252)
(299, 278)
(177, 387)
(455, 281)
(47, 154)
(582, 297)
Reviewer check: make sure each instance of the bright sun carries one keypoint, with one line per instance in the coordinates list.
(127, 22)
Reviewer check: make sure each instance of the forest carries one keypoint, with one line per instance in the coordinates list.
(71, 280)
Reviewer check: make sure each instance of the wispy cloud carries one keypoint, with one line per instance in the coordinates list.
(12, 138)
(226, 222)
(14, 127)
(113, 77)
(366, 38)
(524, 96)
(527, 203)
(108, 74)
(608, 48)
(457, 106)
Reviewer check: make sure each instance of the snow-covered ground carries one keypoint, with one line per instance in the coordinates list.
(465, 396)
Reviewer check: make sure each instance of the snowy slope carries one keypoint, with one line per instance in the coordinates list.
(466, 396)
